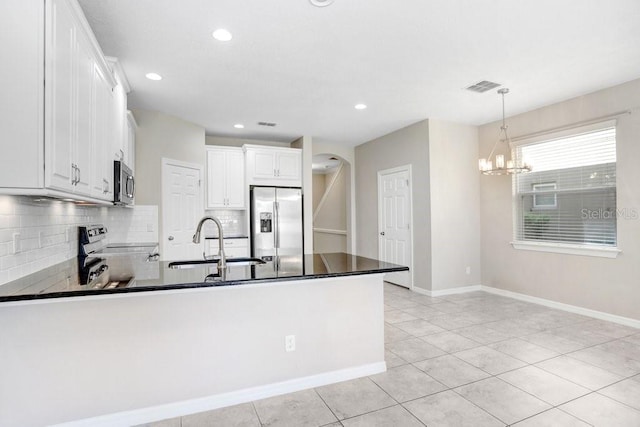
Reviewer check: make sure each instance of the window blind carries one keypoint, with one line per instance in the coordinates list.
(570, 196)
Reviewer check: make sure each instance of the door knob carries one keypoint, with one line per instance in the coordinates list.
(170, 237)
(382, 233)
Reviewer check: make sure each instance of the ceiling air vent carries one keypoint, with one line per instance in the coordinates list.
(269, 124)
(483, 86)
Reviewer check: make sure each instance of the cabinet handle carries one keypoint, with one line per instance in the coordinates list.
(74, 174)
(79, 175)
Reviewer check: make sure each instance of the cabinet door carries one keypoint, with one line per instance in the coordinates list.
(264, 165)
(130, 155)
(289, 165)
(60, 171)
(216, 179)
(21, 103)
(119, 106)
(235, 188)
(102, 182)
(83, 114)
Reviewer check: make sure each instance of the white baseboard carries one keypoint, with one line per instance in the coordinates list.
(172, 410)
(566, 307)
(451, 291)
(541, 301)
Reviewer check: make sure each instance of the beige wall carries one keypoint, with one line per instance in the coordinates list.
(306, 144)
(318, 189)
(409, 145)
(455, 205)
(160, 135)
(609, 285)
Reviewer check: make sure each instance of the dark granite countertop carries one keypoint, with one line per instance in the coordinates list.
(62, 280)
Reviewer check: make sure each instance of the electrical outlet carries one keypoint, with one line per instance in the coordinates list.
(290, 343)
(468, 270)
(150, 228)
(16, 243)
(40, 238)
(66, 234)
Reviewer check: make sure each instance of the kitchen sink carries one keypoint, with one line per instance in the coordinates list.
(231, 262)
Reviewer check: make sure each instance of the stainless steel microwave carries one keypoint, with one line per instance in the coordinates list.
(124, 184)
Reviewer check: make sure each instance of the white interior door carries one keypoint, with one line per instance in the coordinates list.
(182, 208)
(394, 222)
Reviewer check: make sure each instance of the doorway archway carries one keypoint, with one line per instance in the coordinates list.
(332, 216)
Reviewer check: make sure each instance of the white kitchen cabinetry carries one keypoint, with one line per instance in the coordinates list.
(63, 73)
(130, 153)
(69, 74)
(233, 248)
(102, 181)
(119, 126)
(225, 178)
(273, 166)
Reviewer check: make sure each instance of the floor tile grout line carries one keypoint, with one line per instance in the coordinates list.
(255, 411)
(315, 389)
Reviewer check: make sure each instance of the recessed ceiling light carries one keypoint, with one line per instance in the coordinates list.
(222, 35)
(153, 76)
(238, 126)
(360, 106)
(321, 3)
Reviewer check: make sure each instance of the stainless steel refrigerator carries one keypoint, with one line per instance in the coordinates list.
(276, 227)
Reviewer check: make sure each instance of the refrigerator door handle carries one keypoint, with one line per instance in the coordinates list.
(276, 225)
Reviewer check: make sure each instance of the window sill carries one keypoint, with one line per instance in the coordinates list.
(563, 248)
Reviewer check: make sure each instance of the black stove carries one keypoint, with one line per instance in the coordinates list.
(102, 266)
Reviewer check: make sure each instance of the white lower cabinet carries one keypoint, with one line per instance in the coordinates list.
(233, 248)
(225, 178)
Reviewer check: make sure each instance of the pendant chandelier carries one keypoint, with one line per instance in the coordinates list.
(496, 165)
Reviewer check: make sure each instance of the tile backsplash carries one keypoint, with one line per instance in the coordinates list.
(132, 225)
(38, 234)
(233, 223)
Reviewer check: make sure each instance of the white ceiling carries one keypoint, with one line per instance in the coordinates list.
(305, 67)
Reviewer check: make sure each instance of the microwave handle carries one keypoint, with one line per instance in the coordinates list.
(133, 186)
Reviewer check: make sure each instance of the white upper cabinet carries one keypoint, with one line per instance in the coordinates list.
(119, 125)
(68, 150)
(130, 153)
(21, 103)
(225, 178)
(61, 171)
(102, 181)
(273, 166)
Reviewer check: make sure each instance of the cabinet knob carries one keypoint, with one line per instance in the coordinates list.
(382, 233)
(170, 237)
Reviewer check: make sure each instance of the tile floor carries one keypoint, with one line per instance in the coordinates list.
(473, 359)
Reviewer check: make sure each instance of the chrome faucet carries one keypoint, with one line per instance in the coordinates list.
(222, 263)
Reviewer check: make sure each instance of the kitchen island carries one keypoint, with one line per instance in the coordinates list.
(169, 346)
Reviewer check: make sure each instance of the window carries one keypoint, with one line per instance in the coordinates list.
(547, 198)
(570, 196)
